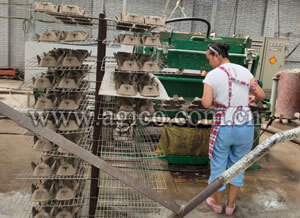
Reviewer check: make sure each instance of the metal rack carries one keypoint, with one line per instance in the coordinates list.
(113, 24)
(82, 168)
(24, 201)
(110, 63)
(71, 19)
(135, 155)
(88, 65)
(85, 130)
(146, 171)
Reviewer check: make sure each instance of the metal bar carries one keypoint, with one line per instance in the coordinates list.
(274, 95)
(90, 158)
(201, 52)
(214, 15)
(33, 24)
(94, 189)
(264, 18)
(15, 4)
(237, 168)
(274, 130)
(124, 6)
(235, 17)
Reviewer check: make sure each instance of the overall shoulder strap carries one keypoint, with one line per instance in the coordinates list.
(229, 84)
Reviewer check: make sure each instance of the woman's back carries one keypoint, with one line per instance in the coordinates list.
(218, 80)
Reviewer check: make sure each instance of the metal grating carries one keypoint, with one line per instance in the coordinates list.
(110, 63)
(88, 64)
(85, 132)
(113, 24)
(136, 156)
(70, 19)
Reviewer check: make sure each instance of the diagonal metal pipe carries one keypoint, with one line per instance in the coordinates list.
(90, 158)
(237, 168)
(178, 211)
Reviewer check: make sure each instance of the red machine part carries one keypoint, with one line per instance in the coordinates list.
(9, 72)
(288, 99)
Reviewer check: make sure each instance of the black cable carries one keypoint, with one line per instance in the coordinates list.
(267, 126)
(192, 19)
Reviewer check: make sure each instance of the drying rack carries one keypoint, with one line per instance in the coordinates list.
(84, 112)
(135, 155)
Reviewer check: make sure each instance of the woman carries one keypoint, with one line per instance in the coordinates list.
(227, 86)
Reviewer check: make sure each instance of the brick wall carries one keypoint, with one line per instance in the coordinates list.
(290, 27)
(202, 9)
(4, 36)
(250, 16)
(16, 34)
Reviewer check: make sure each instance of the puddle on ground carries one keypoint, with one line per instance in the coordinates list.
(271, 200)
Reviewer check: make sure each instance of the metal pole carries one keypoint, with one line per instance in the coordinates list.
(213, 16)
(87, 156)
(264, 19)
(274, 95)
(124, 6)
(237, 168)
(235, 17)
(94, 190)
(33, 24)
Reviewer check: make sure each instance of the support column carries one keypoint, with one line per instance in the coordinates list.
(97, 136)
(270, 25)
(214, 16)
(124, 6)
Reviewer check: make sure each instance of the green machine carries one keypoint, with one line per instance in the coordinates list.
(186, 51)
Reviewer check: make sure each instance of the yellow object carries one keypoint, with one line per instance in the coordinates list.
(184, 141)
(273, 60)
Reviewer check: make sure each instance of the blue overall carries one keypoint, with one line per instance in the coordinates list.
(228, 144)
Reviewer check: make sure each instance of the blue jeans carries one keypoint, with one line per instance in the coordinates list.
(232, 143)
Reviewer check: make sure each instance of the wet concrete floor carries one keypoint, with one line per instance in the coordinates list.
(270, 192)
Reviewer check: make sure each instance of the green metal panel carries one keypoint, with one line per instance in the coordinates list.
(187, 51)
(185, 86)
(186, 160)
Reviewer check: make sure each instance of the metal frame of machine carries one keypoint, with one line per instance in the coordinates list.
(186, 51)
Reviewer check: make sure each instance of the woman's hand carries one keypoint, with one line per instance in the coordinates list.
(252, 99)
(258, 91)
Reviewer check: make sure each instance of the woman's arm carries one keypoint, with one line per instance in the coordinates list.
(260, 93)
(208, 94)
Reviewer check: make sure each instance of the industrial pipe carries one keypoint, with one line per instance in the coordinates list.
(202, 52)
(244, 163)
(274, 94)
(274, 130)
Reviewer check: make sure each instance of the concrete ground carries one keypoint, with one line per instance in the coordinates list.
(270, 192)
